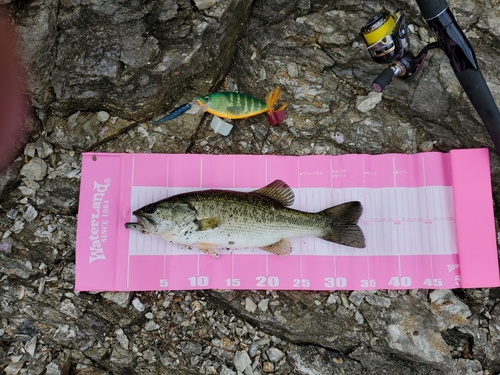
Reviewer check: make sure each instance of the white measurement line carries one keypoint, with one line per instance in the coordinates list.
(394, 170)
(298, 171)
(426, 205)
(266, 173)
(164, 266)
(201, 171)
(168, 172)
(366, 220)
(300, 208)
(267, 265)
(128, 271)
(233, 179)
(131, 198)
(331, 173)
(300, 263)
(432, 265)
(232, 266)
(133, 170)
(364, 171)
(198, 265)
(423, 169)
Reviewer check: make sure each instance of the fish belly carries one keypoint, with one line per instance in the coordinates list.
(240, 236)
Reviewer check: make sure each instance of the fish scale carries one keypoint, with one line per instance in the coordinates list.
(247, 222)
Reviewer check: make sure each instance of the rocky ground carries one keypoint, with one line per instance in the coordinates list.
(98, 74)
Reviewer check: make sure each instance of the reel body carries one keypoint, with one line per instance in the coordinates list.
(386, 37)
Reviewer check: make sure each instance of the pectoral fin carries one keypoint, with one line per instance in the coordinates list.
(283, 247)
(209, 249)
(208, 223)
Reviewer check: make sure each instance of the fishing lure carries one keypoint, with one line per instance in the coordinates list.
(174, 113)
(233, 105)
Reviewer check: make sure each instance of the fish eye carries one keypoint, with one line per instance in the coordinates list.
(206, 98)
(150, 209)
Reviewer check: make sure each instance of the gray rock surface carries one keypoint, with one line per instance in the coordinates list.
(100, 72)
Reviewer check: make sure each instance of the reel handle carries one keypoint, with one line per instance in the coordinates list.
(384, 79)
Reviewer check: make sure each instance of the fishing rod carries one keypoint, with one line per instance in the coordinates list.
(386, 36)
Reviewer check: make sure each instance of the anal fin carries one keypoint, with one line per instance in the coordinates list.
(283, 247)
(209, 249)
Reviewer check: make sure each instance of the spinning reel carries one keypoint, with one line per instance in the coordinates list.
(386, 36)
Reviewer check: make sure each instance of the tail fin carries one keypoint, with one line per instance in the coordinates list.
(272, 99)
(342, 225)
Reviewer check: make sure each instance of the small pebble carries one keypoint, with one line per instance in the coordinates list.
(151, 326)
(268, 366)
(264, 341)
(204, 4)
(263, 304)
(13, 368)
(17, 227)
(31, 346)
(122, 338)
(338, 360)
(120, 298)
(274, 354)
(35, 170)
(30, 150)
(250, 305)
(292, 69)
(338, 137)
(30, 214)
(139, 306)
(192, 347)
(367, 103)
(241, 360)
(427, 146)
(102, 116)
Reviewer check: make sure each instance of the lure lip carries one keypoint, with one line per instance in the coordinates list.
(202, 100)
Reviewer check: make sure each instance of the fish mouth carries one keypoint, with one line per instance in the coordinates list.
(136, 226)
(143, 223)
(143, 219)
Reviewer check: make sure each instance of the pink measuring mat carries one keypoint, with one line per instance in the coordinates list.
(428, 222)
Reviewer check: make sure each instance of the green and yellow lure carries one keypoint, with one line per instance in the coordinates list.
(233, 105)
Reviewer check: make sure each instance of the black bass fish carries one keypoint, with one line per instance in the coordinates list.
(215, 219)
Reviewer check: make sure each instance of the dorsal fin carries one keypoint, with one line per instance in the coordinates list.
(278, 191)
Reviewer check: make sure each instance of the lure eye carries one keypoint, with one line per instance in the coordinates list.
(150, 209)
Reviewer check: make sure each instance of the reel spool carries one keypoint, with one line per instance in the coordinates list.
(385, 35)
